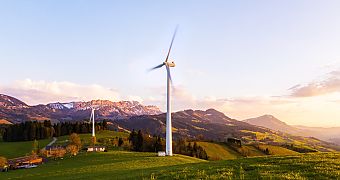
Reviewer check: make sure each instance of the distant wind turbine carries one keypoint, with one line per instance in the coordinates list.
(167, 65)
(92, 118)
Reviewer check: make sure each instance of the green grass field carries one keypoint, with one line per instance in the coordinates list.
(277, 150)
(217, 151)
(221, 151)
(132, 165)
(86, 138)
(101, 165)
(16, 149)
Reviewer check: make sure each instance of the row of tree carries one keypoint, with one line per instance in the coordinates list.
(144, 142)
(31, 130)
(190, 149)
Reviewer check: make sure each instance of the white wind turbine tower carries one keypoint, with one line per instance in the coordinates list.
(92, 118)
(168, 64)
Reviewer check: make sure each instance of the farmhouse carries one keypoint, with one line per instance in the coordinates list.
(96, 149)
(24, 162)
(52, 150)
(234, 141)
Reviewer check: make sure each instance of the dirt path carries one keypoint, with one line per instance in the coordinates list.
(52, 142)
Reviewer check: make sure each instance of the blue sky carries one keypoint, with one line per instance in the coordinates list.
(226, 52)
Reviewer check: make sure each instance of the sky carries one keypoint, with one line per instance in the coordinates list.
(244, 58)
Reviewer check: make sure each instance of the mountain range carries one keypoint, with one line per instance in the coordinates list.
(128, 115)
(13, 110)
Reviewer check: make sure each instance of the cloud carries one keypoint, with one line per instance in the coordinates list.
(43, 92)
(330, 84)
(292, 109)
(182, 99)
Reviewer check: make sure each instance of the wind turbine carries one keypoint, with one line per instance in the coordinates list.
(92, 118)
(168, 64)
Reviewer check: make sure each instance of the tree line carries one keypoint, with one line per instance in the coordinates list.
(144, 142)
(34, 130)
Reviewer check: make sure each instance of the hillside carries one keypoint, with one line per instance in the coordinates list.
(273, 123)
(17, 149)
(132, 165)
(331, 134)
(214, 125)
(276, 150)
(217, 151)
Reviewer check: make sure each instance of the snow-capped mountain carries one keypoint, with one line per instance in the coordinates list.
(16, 111)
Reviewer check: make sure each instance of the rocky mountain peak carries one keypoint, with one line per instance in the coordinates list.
(10, 102)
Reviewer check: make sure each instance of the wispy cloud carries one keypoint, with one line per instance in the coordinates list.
(330, 84)
(42, 92)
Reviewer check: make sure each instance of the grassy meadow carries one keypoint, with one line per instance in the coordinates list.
(22, 148)
(231, 164)
(133, 165)
(277, 150)
(218, 151)
(86, 138)
(17, 149)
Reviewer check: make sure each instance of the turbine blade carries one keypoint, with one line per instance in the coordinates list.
(173, 37)
(156, 67)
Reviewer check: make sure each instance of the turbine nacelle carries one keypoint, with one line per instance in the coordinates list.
(170, 63)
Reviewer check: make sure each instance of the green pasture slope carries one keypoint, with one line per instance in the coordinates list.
(17, 149)
(218, 151)
(86, 138)
(302, 166)
(277, 150)
(108, 165)
(133, 165)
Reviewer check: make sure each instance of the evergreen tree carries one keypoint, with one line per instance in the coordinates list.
(139, 141)
(133, 139)
(120, 142)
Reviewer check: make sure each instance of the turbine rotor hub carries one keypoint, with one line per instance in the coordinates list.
(170, 64)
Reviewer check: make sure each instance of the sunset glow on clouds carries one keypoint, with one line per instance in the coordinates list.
(43, 92)
(316, 103)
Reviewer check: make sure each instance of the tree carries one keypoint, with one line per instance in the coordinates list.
(58, 153)
(189, 149)
(3, 162)
(35, 148)
(158, 143)
(139, 141)
(180, 146)
(266, 151)
(120, 142)
(75, 140)
(133, 140)
(104, 125)
(72, 149)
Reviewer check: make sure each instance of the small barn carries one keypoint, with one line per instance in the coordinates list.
(96, 149)
(234, 141)
(161, 153)
(24, 162)
(51, 150)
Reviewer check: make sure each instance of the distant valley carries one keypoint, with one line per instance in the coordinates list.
(331, 134)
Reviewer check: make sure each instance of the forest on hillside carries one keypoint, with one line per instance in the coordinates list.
(33, 130)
